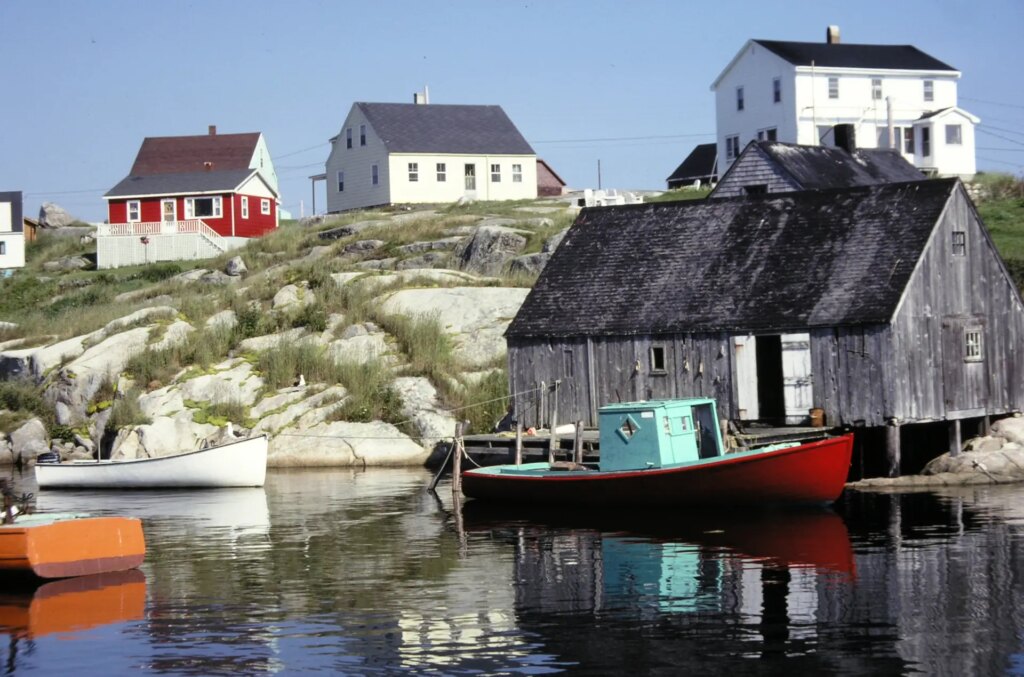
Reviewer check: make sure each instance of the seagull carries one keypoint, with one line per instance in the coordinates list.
(301, 383)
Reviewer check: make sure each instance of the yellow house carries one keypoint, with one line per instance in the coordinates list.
(396, 153)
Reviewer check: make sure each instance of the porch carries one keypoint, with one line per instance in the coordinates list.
(142, 242)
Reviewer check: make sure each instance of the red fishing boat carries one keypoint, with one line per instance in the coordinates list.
(668, 452)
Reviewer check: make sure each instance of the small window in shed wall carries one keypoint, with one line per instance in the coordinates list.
(973, 347)
(657, 358)
(959, 243)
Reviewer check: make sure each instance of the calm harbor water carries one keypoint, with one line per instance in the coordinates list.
(363, 572)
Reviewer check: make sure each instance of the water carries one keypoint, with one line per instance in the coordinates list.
(347, 572)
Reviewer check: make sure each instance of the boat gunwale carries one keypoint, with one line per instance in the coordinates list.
(130, 461)
(495, 472)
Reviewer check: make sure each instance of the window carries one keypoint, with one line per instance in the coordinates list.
(739, 98)
(470, 177)
(362, 135)
(959, 243)
(517, 173)
(442, 174)
(833, 88)
(348, 137)
(198, 207)
(495, 173)
(770, 134)
(926, 141)
(755, 189)
(732, 147)
(760, 135)
(245, 207)
(3, 247)
(973, 347)
(341, 182)
(414, 172)
(908, 140)
(826, 135)
(876, 89)
(134, 210)
(374, 176)
(776, 90)
(929, 90)
(265, 207)
(657, 358)
(953, 137)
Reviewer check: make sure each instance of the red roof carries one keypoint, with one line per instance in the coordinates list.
(178, 154)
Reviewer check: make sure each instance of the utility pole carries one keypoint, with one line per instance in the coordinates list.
(599, 174)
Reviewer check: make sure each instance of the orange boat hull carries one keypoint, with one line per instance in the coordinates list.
(72, 547)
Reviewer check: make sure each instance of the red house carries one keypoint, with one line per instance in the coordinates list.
(225, 181)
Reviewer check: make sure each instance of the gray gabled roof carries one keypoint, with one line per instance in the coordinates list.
(774, 262)
(442, 128)
(818, 167)
(181, 183)
(842, 55)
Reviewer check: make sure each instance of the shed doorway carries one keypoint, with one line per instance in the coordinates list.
(773, 377)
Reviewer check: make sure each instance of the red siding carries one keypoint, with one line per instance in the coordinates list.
(257, 224)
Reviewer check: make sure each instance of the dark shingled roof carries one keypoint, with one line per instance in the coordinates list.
(441, 128)
(178, 154)
(185, 182)
(699, 164)
(825, 55)
(820, 167)
(773, 262)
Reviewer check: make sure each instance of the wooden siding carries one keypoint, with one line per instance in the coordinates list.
(848, 365)
(947, 293)
(753, 168)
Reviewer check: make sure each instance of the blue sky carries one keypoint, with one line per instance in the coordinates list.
(626, 83)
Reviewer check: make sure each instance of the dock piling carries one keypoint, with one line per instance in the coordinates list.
(457, 463)
(519, 443)
(577, 443)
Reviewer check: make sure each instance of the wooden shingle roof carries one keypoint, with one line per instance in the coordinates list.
(445, 128)
(180, 154)
(773, 262)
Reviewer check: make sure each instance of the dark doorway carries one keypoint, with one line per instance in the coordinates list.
(770, 402)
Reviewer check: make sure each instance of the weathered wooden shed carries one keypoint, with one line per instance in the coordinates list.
(881, 305)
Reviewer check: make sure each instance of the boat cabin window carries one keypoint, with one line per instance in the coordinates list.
(657, 358)
(685, 422)
(628, 428)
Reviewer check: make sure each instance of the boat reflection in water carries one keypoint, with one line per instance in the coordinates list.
(753, 565)
(73, 604)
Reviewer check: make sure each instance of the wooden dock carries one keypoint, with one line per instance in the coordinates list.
(497, 448)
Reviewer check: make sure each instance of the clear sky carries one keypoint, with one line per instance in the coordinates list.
(626, 83)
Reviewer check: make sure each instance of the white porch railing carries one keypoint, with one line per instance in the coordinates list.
(146, 228)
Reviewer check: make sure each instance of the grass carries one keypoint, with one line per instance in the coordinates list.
(126, 412)
(281, 366)
(428, 348)
(370, 396)
(679, 194)
(482, 402)
(1002, 209)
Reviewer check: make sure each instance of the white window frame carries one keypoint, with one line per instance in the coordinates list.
(833, 87)
(414, 172)
(495, 173)
(442, 172)
(876, 89)
(739, 98)
(3, 247)
(341, 181)
(517, 173)
(216, 203)
(245, 206)
(929, 90)
(732, 147)
(348, 138)
(374, 175)
(974, 344)
(958, 244)
(265, 206)
(776, 90)
(137, 210)
(362, 135)
(957, 133)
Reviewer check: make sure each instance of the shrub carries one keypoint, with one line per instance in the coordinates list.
(483, 402)
(126, 412)
(370, 396)
(160, 271)
(282, 365)
(23, 395)
(312, 316)
(429, 348)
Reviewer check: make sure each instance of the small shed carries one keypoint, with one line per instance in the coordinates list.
(700, 167)
(549, 183)
(880, 305)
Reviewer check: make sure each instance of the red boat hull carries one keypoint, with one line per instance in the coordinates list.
(809, 473)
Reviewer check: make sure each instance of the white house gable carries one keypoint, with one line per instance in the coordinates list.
(261, 162)
(352, 180)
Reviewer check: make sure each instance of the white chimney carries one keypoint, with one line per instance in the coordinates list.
(421, 98)
(832, 35)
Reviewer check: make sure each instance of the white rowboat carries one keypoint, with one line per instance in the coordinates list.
(236, 464)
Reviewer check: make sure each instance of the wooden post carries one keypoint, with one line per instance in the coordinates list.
(518, 458)
(553, 441)
(577, 443)
(954, 438)
(892, 447)
(542, 410)
(986, 425)
(457, 465)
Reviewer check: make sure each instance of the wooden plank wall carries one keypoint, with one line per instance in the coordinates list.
(848, 367)
(751, 169)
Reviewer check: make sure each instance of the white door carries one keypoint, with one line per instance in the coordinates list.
(797, 384)
(745, 358)
(169, 211)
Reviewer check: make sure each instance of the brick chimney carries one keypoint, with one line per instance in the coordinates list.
(832, 35)
(213, 130)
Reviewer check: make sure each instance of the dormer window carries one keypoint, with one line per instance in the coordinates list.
(833, 88)
(739, 98)
(929, 90)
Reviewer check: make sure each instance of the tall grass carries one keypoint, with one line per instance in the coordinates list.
(282, 365)
(370, 396)
(429, 349)
(482, 402)
(202, 348)
(127, 412)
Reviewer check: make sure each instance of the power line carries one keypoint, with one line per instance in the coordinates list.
(1002, 162)
(1000, 136)
(994, 103)
(629, 138)
(296, 152)
(1004, 150)
(1003, 129)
